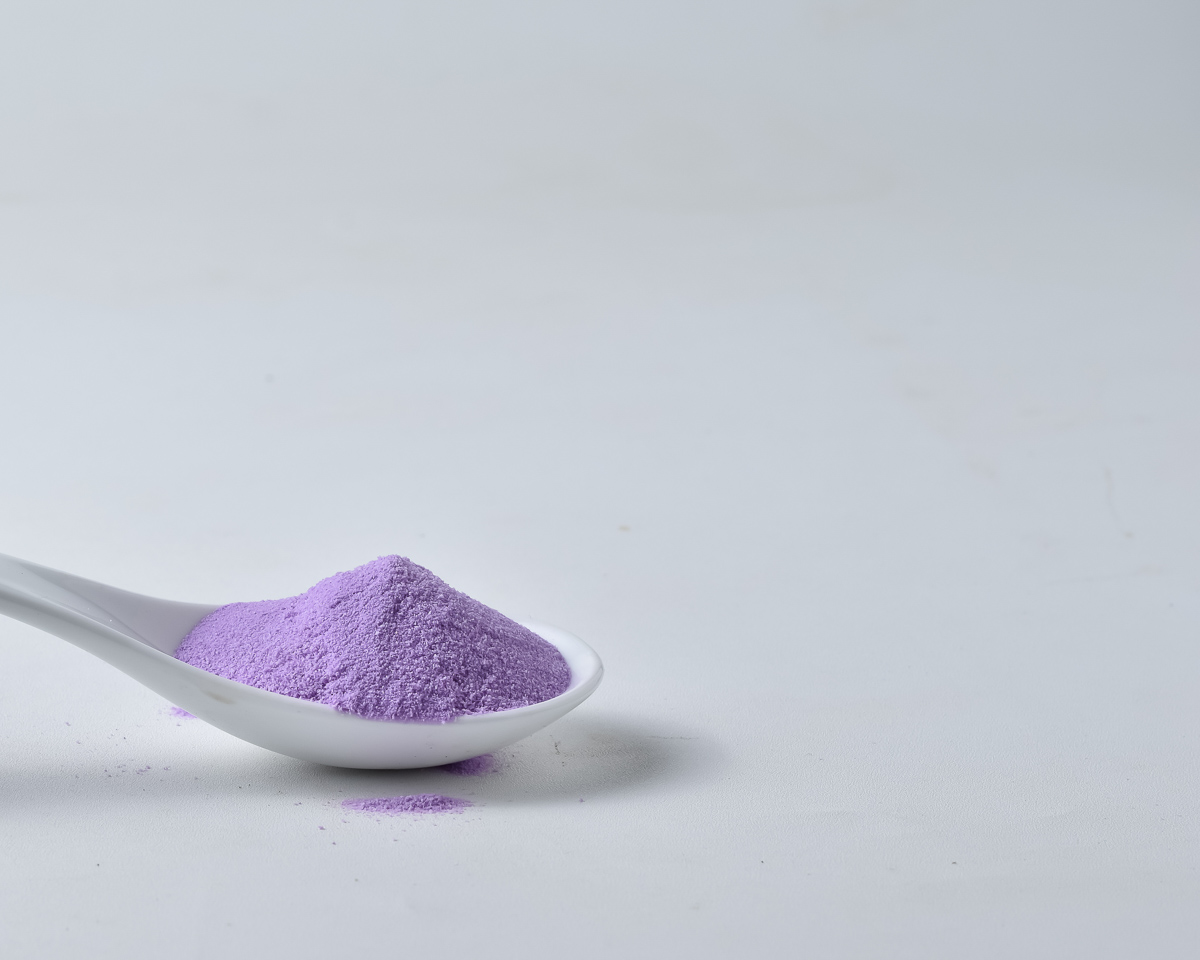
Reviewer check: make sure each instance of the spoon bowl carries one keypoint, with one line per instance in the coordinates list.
(138, 635)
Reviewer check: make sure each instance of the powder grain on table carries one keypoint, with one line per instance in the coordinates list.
(416, 803)
(473, 767)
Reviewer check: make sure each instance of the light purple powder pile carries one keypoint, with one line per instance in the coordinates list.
(387, 640)
(417, 803)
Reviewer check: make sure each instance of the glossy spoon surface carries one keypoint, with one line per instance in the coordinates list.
(138, 635)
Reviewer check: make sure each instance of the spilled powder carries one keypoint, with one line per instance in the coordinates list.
(387, 640)
(472, 767)
(416, 803)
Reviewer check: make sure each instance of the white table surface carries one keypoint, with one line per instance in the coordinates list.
(831, 369)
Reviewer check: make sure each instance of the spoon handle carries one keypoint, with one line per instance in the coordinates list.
(92, 615)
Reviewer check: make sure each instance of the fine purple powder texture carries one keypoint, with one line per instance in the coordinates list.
(387, 640)
(473, 767)
(417, 803)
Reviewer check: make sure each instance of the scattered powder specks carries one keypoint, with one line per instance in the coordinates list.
(387, 640)
(473, 767)
(416, 803)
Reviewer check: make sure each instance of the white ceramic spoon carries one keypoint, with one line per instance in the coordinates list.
(138, 635)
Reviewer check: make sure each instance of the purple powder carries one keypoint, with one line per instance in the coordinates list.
(180, 712)
(417, 803)
(473, 767)
(387, 640)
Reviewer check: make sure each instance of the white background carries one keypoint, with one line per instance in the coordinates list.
(831, 367)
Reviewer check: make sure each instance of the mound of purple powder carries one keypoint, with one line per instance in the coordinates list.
(387, 640)
(416, 803)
